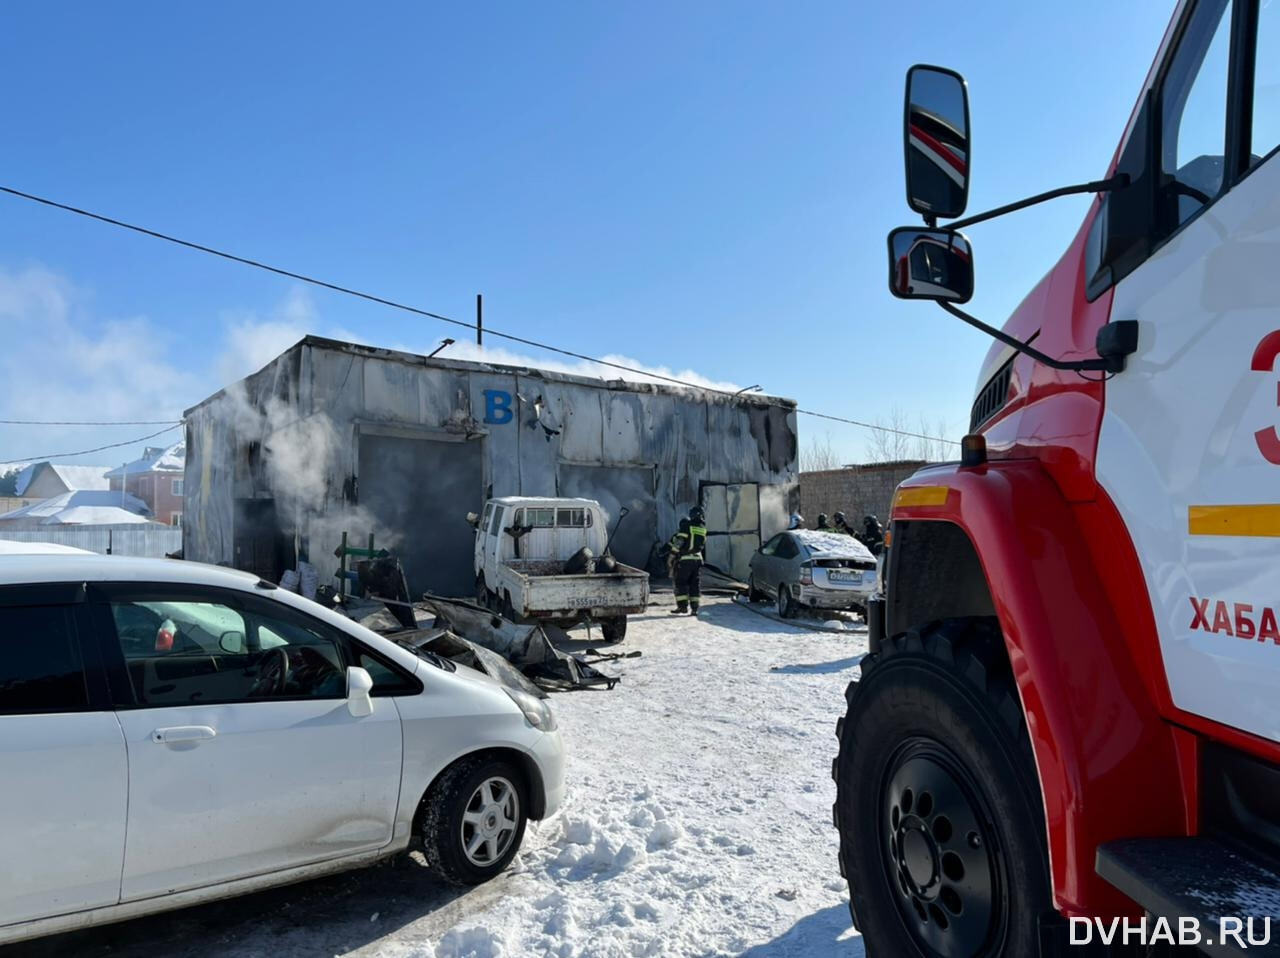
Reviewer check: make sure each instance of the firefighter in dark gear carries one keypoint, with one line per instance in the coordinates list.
(841, 524)
(688, 545)
(670, 550)
(823, 525)
(872, 535)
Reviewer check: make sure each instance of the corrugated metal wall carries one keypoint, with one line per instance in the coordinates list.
(537, 431)
(148, 542)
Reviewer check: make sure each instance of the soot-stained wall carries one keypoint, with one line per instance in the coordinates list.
(293, 433)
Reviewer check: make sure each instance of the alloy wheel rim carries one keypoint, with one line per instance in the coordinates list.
(489, 821)
(940, 854)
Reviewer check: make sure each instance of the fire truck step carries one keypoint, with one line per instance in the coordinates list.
(1200, 878)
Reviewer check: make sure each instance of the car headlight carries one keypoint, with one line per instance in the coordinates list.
(536, 710)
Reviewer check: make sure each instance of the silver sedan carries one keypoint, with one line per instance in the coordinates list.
(820, 570)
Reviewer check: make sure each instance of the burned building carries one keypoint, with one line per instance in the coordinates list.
(332, 437)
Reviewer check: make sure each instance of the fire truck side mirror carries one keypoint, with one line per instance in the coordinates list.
(936, 142)
(930, 264)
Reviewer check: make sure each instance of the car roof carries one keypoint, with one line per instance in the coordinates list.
(831, 543)
(12, 547)
(545, 501)
(16, 569)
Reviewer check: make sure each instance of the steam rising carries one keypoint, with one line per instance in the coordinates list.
(306, 464)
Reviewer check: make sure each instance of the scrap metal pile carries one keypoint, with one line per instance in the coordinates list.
(521, 655)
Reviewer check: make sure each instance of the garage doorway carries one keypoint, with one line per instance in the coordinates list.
(614, 487)
(421, 490)
(733, 525)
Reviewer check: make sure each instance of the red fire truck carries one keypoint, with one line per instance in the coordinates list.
(1066, 736)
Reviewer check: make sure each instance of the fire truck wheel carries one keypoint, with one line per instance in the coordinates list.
(937, 800)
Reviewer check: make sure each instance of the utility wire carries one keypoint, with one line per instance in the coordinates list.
(79, 422)
(413, 309)
(84, 452)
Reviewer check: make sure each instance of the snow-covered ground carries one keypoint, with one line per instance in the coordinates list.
(697, 823)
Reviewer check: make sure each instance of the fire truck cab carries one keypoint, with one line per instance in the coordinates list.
(1069, 720)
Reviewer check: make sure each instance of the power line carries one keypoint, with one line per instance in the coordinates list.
(382, 301)
(85, 452)
(89, 422)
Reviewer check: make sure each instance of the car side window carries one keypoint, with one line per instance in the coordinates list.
(787, 548)
(40, 666)
(1265, 130)
(386, 680)
(770, 547)
(1193, 113)
(200, 652)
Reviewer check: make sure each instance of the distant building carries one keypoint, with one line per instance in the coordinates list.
(857, 491)
(44, 480)
(87, 507)
(156, 479)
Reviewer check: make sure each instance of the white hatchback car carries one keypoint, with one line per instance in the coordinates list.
(172, 733)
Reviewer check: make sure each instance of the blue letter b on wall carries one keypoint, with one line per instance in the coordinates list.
(497, 407)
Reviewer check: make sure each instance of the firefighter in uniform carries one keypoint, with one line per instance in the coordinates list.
(671, 550)
(842, 524)
(688, 548)
(822, 523)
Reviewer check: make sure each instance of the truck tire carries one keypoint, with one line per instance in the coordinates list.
(614, 629)
(472, 819)
(938, 803)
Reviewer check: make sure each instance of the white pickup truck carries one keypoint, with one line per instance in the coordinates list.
(530, 563)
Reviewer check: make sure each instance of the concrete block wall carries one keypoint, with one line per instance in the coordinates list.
(856, 491)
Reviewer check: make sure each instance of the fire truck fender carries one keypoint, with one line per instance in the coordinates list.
(1106, 760)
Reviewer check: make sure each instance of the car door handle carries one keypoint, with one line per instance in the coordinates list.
(182, 733)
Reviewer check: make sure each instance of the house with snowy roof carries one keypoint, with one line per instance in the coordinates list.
(44, 480)
(80, 507)
(156, 478)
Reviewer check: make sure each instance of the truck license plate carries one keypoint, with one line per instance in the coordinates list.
(581, 602)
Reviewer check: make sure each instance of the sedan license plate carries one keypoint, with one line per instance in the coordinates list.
(845, 578)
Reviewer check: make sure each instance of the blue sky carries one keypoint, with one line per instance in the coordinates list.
(701, 186)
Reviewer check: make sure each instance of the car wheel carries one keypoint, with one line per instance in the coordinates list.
(506, 609)
(754, 594)
(614, 629)
(472, 820)
(786, 603)
(937, 801)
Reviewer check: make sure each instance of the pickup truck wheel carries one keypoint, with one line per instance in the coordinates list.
(614, 629)
(507, 610)
(786, 603)
(937, 800)
(472, 820)
(483, 596)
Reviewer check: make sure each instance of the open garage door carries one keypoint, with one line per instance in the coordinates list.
(421, 491)
(614, 487)
(733, 525)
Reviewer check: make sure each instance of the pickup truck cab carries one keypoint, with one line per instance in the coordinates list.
(529, 563)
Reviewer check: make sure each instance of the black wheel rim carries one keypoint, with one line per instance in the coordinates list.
(944, 867)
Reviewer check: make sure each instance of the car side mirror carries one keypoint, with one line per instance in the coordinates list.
(473, 520)
(932, 264)
(936, 142)
(231, 642)
(359, 691)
